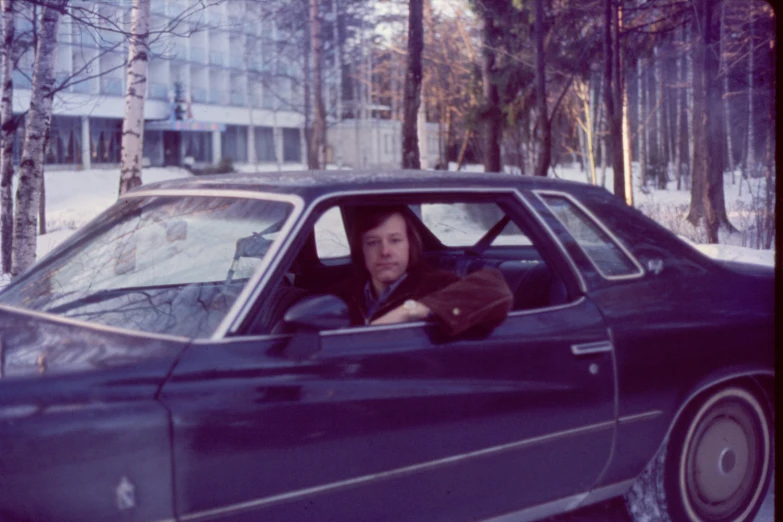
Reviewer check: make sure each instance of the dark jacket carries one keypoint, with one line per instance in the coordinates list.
(480, 300)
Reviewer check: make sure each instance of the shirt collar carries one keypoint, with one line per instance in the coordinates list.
(372, 304)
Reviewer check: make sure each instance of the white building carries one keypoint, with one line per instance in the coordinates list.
(230, 111)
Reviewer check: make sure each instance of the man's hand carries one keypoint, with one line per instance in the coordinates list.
(401, 314)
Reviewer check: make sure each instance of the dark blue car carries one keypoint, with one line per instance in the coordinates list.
(176, 359)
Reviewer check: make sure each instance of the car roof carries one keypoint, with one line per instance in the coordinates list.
(312, 184)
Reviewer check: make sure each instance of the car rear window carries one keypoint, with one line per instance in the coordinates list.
(464, 224)
(607, 256)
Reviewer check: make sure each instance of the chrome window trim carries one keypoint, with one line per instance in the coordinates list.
(239, 311)
(94, 326)
(397, 326)
(394, 473)
(374, 328)
(594, 219)
(553, 236)
(216, 193)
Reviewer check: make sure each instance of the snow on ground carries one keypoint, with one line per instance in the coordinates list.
(75, 197)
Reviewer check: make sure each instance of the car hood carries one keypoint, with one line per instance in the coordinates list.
(36, 344)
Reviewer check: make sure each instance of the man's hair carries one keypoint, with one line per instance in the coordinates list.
(366, 218)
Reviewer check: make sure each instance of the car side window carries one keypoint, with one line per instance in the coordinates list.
(605, 254)
(464, 224)
(331, 240)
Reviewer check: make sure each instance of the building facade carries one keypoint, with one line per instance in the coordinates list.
(216, 57)
(239, 97)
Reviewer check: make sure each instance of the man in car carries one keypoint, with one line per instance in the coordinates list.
(393, 284)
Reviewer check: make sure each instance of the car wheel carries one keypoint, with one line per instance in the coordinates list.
(714, 467)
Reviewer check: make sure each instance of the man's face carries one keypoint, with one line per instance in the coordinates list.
(386, 250)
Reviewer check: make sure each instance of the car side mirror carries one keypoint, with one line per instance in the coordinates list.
(307, 318)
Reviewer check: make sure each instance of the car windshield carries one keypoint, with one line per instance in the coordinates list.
(169, 265)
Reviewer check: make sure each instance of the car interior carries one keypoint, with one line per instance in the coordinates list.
(498, 242)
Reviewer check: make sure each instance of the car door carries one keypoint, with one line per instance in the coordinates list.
(390, 423)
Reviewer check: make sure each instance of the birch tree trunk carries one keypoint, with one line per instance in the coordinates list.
(135, 92)
(7, 132)
(39, 117)
(412, 90)
(319, 121)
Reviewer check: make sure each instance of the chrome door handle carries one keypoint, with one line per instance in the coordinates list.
(591, 348)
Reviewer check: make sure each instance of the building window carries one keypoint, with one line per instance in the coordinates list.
(64, 145)
(198, 145)
(105, 140)
(265, 144)
(292, 146)
(153, 147)
(234, 143)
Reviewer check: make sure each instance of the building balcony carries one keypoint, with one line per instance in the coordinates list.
(235, 22)
(199, 95)
(198, 55)
(113, 86)
(179, 52)
(83, 87)
(217, 58)
(214, 17)
(238, 98)
(218, 97)
(237, 61)
(159, 91)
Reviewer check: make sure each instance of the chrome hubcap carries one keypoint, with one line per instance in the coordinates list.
(724, 459)
(721, 460)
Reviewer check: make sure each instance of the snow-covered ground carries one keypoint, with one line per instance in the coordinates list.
(75, 197)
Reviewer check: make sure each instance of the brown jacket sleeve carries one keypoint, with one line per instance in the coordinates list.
(480, 299)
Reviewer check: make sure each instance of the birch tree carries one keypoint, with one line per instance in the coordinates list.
(38, 121)
(7, 131)
(133, 123)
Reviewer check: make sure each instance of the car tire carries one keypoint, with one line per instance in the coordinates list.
(729, 432)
